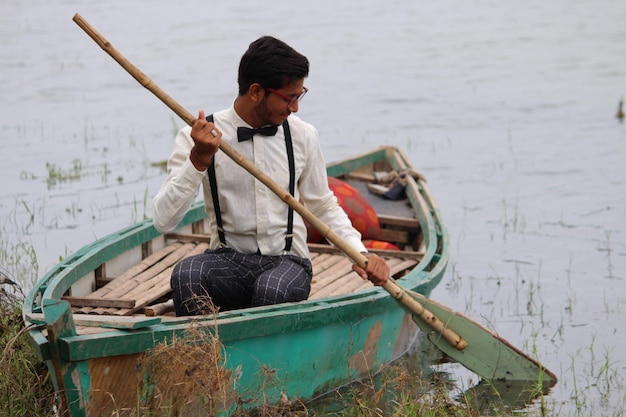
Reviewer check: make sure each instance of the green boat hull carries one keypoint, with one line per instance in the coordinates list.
(295, 350)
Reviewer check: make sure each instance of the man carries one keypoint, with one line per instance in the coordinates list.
(258, 253)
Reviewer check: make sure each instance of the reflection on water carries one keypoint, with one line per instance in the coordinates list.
(507, 108)
(443, 387)
(496, 396)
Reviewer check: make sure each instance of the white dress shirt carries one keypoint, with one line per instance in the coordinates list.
(253, 217)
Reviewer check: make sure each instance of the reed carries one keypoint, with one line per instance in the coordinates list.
(25, 386)
(57, 175)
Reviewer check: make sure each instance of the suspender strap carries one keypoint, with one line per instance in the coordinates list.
(292, 189)
(292, 184)
(214, 195)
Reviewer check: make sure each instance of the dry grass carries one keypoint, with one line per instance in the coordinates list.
(186, 376)
(25, 386)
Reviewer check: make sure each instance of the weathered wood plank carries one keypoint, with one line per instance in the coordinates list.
(340, 266)
(390, 235)
(183, 237)
(404, 222)
(154, 287)
(133, 287)
(159, 309)
(118, 288)
(99, 302)
(350, 283)
(402, 268)
(357, 176)
(136, 322)
(135, 270)
(341, 278)
(325, 262)
(345, 280)
(102, 281)
(325, 249)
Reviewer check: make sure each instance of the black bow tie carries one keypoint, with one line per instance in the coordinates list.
(245, 133)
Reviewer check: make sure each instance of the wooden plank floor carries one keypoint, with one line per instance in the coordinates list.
(149, 280)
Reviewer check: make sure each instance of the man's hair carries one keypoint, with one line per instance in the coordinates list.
(271, 63)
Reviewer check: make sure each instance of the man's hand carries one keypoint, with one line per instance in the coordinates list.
(206, 140)
(377, 269)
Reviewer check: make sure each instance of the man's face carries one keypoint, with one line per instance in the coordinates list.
(278, 104)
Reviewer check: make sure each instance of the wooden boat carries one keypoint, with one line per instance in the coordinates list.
(89, 321)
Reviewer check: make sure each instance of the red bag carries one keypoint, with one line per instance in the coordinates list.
(359, 210)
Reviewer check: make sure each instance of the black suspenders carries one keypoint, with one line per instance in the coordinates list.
(292, 184)
(216, 201)
(292, 189)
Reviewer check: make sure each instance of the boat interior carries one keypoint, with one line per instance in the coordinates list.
(144, 289)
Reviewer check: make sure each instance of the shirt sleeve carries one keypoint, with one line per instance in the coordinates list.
(180, 188)
(320, 200)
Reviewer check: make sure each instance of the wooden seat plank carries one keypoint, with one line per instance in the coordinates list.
(107, 322)
(322, 261)
(145, 264)
(340, 265)
(342, 277)
(350, 282)
(99, 302)
(155, 287)
(157, 268)
(126, 283)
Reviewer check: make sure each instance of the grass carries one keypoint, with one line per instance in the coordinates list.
(183, 375)
(25, 386)
(57, 175)
(397, 392)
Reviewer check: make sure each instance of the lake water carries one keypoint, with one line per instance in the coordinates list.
(507, 108)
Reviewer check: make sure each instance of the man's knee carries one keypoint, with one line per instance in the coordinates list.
(181, 273)
(187, 290)
(268, 292)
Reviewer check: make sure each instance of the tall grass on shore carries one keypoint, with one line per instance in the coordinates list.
(25, 386)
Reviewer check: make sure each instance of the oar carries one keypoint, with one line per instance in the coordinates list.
(446, 337)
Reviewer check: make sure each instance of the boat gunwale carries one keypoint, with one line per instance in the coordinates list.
(267, 324)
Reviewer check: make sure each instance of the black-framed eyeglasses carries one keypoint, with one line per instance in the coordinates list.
(289, 99)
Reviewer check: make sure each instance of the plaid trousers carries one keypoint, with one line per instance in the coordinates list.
(230, 280)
